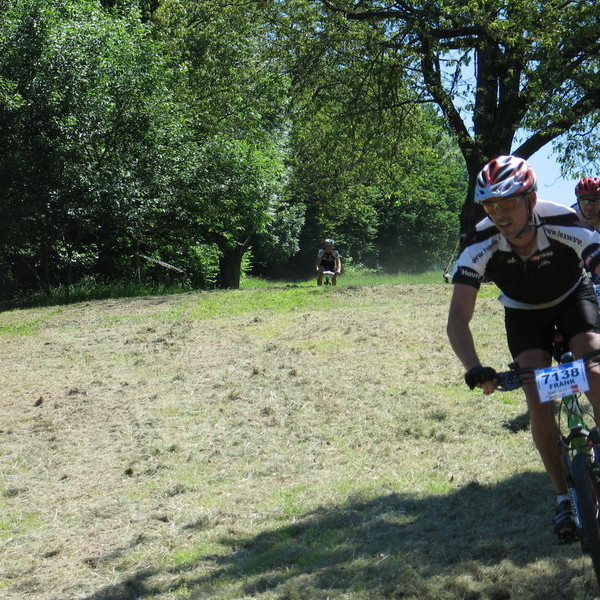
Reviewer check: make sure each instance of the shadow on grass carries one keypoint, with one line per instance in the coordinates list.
(477, 543)
(63, 296)
(521, 422)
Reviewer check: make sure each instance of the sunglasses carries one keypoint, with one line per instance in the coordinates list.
(589, 200)
(504, 203)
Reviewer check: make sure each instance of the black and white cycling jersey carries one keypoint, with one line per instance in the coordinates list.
(542, 279)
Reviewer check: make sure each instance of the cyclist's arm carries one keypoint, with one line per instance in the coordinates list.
(462, 307)
(338, 264)
(591, 253)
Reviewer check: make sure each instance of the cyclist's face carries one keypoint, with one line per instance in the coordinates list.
(509, 215)
(503, 204)
(590, 206)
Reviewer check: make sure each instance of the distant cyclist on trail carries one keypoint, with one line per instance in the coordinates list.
(534, 251)
(328, 259)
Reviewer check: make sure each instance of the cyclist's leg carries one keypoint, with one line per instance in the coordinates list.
(529, 335)
(544, 428)
(320, 276)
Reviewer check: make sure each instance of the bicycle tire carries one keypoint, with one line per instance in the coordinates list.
(588, 500)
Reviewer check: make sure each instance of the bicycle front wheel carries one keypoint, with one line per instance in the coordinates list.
(588, 499)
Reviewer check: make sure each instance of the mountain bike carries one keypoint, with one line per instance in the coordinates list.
(579, 443)
(328, 277)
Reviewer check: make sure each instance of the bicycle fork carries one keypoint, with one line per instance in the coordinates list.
(566, 460)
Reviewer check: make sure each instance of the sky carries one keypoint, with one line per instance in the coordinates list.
(551, 186)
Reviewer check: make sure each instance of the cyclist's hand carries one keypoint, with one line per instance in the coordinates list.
(483, 377)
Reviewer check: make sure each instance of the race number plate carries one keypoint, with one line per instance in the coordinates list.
(561, 380)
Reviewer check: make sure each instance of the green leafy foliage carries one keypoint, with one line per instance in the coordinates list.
(185, 143)
(508, 77)
(83, 156)
(377, 171)
(233, 93)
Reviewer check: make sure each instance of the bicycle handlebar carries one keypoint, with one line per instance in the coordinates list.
(513, 379)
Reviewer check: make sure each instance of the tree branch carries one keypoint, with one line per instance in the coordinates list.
(539, 139)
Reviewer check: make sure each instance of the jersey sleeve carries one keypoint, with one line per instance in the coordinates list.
(471, 263)
(583, 240)
(467, 275)
(591, 256)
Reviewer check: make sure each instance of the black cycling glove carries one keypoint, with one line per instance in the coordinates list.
(478, 375)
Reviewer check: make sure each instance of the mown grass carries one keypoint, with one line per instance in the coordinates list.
(270, 443)
(218, 304)
(352, 276)
(21, 324)
(256, 296)
(91, 291)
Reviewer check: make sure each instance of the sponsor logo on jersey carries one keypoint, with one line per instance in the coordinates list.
(466, 272)
(557, 233)
(485, 250)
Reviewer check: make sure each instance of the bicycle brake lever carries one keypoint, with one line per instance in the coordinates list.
(508, 381)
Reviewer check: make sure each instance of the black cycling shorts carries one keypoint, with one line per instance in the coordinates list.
(535, 329)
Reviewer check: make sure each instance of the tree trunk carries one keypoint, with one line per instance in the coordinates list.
(471, 213)
(230, 267)
(45, 267)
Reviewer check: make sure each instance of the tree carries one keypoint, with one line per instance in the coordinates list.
(146, 7)
(366, 160)
(235, 95)
(388, 190)
(238, 187)
(83, 132)
(534, 68)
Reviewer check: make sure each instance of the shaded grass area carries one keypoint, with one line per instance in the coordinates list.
(390, 546)
(291, 443)
(86, 293)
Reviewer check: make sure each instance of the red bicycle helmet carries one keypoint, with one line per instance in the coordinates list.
(505, 176)
(588, 186)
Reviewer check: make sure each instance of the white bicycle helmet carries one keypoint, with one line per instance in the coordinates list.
(503, 177)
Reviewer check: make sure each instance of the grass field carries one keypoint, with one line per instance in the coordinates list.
(275, 442)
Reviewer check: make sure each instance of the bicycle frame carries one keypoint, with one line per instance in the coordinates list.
(576, 441)
(328, 276)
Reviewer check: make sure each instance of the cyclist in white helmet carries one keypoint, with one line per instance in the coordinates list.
(328, 259)
(534, 251)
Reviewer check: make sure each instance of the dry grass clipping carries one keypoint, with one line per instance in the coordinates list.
(268, 453)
